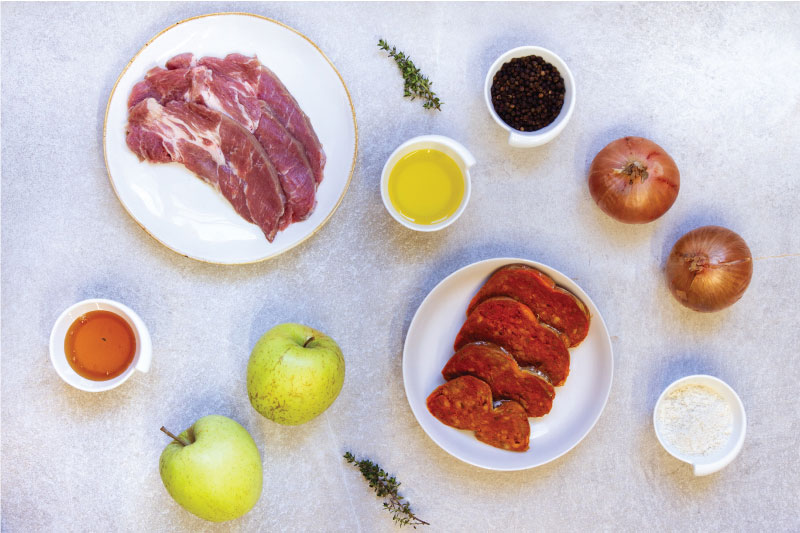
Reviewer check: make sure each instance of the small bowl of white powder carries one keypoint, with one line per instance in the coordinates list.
(700, 420)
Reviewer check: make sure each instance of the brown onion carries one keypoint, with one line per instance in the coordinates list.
(634, 180)
(709, 268)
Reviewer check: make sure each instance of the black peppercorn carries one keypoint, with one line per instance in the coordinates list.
(528, 93)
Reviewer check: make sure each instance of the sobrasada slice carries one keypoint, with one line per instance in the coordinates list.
(506, 427)
(553, 305)
(513, 326)
(466, 403)
(461, 403)
(501, 372)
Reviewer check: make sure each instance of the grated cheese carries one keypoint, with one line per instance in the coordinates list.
(695, 419)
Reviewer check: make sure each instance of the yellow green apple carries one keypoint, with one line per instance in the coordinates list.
(294, 373)
(212, 469)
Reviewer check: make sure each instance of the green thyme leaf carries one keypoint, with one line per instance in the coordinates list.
(387, 486)
(414, 83)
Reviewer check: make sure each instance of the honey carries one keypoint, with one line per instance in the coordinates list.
(100, 345)
(426, 186)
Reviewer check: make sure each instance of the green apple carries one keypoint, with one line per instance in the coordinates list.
(294, 374)
(213, 469)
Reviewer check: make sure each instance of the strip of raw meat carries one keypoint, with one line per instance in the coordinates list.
(235, 99)
(184, 60)
(163, 85)
(202, 86)
(217, 149)
(288, 156)
(238, 100)
(272, 92)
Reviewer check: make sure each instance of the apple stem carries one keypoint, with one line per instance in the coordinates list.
(176, 439)
(308, 341)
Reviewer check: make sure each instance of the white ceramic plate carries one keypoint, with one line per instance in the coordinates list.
(180, 210)
(577, 405)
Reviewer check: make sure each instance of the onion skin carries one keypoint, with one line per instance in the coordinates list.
(634, 180)
(709, 268)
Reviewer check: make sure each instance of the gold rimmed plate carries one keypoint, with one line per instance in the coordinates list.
(181, 211)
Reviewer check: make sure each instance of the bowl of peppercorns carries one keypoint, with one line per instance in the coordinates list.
(530, 92)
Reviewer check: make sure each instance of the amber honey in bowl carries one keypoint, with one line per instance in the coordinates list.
(100, 345)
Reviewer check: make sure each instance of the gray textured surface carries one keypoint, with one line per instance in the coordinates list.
(715, 84)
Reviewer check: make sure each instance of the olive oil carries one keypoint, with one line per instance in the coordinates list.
(100, 345)
(426, 186)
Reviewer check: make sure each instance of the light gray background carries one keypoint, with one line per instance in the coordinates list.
(716, 85)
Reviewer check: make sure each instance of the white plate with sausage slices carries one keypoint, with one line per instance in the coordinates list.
(577, 405)
(180, 210)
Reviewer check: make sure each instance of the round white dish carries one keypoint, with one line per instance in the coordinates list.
(713, 462)
(58, 357)
(532, 139)
(177, 208)
(455, 150)
(577, 405)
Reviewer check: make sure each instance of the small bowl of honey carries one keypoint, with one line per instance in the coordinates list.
(97, 344)
(425, 183)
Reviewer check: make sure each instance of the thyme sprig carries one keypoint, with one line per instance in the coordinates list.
(415, 84)
(386, 486)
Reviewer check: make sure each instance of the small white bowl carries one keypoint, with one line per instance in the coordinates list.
(705, 465)
(452, 148)
(531, 139)
(141, 359)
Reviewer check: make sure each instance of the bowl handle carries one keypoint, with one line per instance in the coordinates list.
(469, 159)
(145, 348)
(710, 468)
(465, 155)
(523, 141)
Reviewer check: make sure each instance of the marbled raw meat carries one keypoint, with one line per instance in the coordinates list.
(216, 148)
(194, 83)
(276, 96)
(288, 156)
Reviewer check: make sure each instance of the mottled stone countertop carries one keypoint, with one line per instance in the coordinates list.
(715, 84)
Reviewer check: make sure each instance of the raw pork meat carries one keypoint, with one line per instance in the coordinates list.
(271, 91)
(216, 148)
(185, 81)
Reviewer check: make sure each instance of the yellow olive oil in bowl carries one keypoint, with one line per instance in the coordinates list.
(425, 183)
(426, 186)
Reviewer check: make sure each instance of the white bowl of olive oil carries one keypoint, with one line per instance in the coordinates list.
(425, 183)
